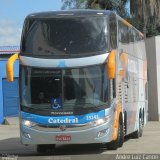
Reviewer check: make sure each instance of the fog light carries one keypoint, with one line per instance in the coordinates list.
(102, 132)
(27, 135)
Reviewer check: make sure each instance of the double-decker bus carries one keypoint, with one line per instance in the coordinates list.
(83, 79)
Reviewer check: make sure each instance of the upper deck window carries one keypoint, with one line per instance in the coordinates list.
(65, 36)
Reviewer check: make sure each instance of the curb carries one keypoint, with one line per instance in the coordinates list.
(11, 121)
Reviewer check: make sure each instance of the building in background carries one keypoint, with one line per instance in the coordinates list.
(153, 57)
(9, 98)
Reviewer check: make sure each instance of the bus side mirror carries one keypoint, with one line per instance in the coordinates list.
(111, 65)
(9, 67)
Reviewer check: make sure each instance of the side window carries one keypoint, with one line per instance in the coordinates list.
(123, 33)
(131, 35)
(112, 88)
(113, 32)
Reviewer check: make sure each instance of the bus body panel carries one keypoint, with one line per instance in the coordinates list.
(39, 134)
(77, 137)
(64, 63)
(134, 84)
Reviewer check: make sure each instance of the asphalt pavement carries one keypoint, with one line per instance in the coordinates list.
(146, 147)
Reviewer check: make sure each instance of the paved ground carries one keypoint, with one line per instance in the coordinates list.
(10, 147)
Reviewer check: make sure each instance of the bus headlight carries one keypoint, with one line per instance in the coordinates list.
(28, 123)
(101, 121)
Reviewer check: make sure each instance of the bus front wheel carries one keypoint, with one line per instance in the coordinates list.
(113, 145)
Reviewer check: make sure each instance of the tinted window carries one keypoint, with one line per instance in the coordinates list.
(123, 33)
(61, 36)
(113, 32)
(81, 88)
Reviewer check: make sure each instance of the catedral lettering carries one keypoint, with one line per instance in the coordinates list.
(59, 121)
(89, 64)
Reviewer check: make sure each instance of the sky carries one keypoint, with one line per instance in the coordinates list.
(13, 13)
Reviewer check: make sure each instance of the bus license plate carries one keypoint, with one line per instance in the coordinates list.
(63, 138)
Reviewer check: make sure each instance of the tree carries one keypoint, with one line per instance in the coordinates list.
(118, 6)
(146, 15)
(68, 4)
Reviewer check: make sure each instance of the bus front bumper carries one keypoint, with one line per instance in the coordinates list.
(98, 134)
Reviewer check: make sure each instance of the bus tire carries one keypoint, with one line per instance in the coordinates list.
(42, 148)
(139, 132)
(121, 140)
(113, 145)
(125, 123)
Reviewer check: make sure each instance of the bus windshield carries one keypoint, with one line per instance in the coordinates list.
(65, 36)
(64, 89)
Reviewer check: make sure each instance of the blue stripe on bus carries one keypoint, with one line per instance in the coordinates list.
(56, 120)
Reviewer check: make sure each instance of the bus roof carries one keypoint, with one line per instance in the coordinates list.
(85, 12)
(77, 12)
